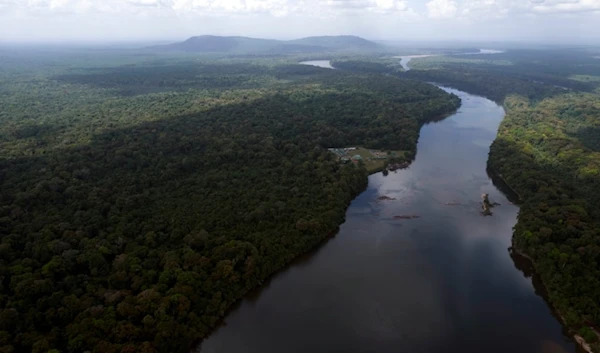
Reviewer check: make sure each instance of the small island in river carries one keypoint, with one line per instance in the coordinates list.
(487, 205)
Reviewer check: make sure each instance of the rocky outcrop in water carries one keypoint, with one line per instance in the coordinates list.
(487, 205)
(407, 217)
(385, 198)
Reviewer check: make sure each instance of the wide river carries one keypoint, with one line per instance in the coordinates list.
(444, 282)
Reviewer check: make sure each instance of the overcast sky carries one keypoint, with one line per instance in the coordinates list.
(59, 20)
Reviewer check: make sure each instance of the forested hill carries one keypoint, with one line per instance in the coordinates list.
(338, 42)
(140, 201)
(548, 151)
(219, 44)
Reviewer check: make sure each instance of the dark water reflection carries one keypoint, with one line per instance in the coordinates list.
(442, 283)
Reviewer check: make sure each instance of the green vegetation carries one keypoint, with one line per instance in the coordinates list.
(548, 151)
(585, 78)
(440, 62)
(140, 201)
(532, 73)
(364, 64)
(344, 43)
(483, 82)
(373, 160)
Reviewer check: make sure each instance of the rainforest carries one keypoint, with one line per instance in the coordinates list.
(143, 195)
(145, 192)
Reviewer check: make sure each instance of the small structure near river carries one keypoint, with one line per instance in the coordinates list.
(373, 160)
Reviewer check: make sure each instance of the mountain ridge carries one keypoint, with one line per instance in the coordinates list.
(241, 44)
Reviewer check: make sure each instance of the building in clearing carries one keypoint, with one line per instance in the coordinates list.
(337, 151)
(357, 157)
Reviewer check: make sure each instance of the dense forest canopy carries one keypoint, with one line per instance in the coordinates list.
(370, 64)
(141, 199)
(548, 151)
(143, 193)
(531, 73)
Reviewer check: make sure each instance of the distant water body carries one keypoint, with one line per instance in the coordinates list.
(404, 60)
(320, 63)
(442, 283)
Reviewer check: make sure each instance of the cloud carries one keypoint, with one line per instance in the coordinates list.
(483, 10)
(434, 9)
(150, 3)
(389, 6)
(438, 9)
(6, 3)
(394, 19)
(565, 6)
(272, 7)
(377, 6)
(62, 6)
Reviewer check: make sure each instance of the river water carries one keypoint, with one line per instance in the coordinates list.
(326, 64)
(441, 283)
(404, 60)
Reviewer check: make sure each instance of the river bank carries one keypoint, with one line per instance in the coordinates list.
(359, 173)
(495, 174)
(360, 290)
(582, 343)
(504, 157)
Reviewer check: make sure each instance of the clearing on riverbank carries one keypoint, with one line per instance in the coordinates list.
(374, 160)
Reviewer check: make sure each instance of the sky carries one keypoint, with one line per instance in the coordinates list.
(562, 21)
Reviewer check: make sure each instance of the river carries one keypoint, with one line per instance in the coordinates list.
(404, 60)
(441, 283)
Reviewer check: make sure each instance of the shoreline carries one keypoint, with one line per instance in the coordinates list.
(256, 290)
(495, 176)
(195, 346)
(578, 339)
(581, 342)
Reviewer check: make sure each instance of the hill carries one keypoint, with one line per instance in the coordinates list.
(339, 42)
(220, 44)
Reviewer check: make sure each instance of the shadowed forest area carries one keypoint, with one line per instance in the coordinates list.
(547, 151)
(141, 200)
